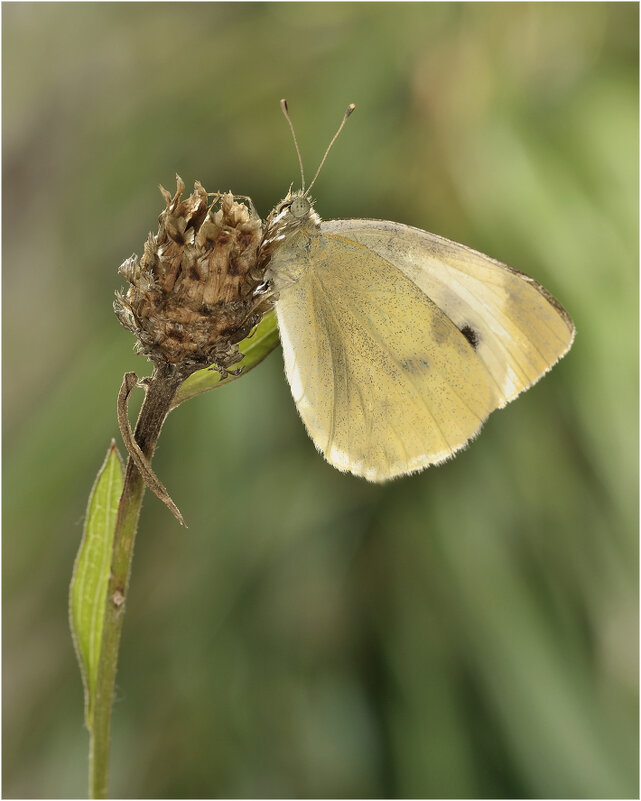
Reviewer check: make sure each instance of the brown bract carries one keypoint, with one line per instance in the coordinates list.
(195, 293)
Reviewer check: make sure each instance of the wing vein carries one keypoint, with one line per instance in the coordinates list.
(330, 435)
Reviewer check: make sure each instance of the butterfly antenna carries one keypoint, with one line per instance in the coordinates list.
(283, 105)
(349, 110)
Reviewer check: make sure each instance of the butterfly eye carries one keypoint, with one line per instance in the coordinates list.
(300, 207)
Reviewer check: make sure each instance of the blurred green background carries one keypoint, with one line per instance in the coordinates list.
(468, 632)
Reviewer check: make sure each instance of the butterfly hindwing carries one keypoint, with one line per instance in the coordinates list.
(384, 381)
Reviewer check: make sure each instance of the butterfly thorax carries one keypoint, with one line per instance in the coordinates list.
(292, 232)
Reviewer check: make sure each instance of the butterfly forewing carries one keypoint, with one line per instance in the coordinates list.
(516, 327)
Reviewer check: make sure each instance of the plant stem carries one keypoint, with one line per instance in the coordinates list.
(161, 389)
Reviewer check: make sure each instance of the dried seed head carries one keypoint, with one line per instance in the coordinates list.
(193, 294)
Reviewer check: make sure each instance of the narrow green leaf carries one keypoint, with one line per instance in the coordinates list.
(88, 592)
(254, 348)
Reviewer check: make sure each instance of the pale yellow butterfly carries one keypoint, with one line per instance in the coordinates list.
(399, 343)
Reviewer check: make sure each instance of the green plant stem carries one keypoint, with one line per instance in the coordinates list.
(161, 389)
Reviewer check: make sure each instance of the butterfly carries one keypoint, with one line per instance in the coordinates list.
(399, 343)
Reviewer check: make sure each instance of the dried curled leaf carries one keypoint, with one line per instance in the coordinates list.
(129, 381)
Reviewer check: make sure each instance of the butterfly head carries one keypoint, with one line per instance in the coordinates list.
(295, 212)
(294, 216)
(297, 209)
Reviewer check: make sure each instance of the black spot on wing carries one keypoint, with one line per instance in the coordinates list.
(471, 335)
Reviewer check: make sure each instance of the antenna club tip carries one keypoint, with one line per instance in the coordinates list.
(283, 104)
(350, 108)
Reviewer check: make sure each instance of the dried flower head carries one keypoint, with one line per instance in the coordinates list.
(196, 291)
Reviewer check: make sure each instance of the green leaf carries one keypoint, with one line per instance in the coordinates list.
(254, 348)
(88, 592)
